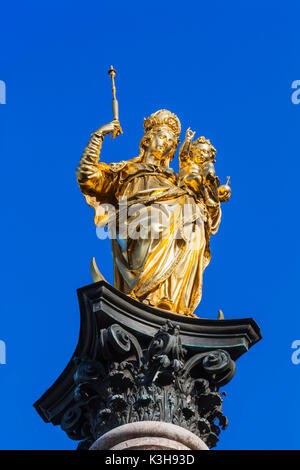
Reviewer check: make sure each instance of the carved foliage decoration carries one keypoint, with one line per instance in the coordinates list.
(124, 384)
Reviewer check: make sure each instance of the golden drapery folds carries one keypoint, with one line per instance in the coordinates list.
(160, 243)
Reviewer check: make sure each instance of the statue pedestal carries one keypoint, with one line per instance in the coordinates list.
(142, 378)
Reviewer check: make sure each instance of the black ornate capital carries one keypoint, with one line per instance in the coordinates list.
(135, 363)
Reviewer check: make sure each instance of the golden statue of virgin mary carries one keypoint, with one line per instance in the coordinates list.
(161, 244)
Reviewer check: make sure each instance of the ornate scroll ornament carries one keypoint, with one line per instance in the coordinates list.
(124, 384)
(163, 118)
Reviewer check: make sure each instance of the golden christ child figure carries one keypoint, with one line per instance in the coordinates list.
(197, 169)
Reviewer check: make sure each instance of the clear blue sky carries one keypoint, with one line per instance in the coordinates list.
(226, 69)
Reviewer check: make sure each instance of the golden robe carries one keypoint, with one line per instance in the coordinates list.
(167, 262)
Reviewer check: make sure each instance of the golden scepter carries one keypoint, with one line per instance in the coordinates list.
(115, 105)
(96, 274)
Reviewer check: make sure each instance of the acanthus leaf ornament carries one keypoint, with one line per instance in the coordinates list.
(154, 384)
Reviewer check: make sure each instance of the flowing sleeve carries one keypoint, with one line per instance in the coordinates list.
(97, 180)
(213, 206)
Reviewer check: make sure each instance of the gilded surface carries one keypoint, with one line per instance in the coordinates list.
(163, 267)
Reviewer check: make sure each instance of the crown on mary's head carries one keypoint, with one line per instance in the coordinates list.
(163, 118)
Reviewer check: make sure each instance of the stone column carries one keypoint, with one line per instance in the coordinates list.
(149, 435)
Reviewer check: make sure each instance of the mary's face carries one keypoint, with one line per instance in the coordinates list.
(162, 143)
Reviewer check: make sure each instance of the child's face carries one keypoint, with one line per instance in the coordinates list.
(201, 153)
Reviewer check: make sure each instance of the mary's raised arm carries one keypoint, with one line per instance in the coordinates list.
(95, 178)
(89, 165)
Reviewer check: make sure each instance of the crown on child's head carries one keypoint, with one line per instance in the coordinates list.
(203, 140)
